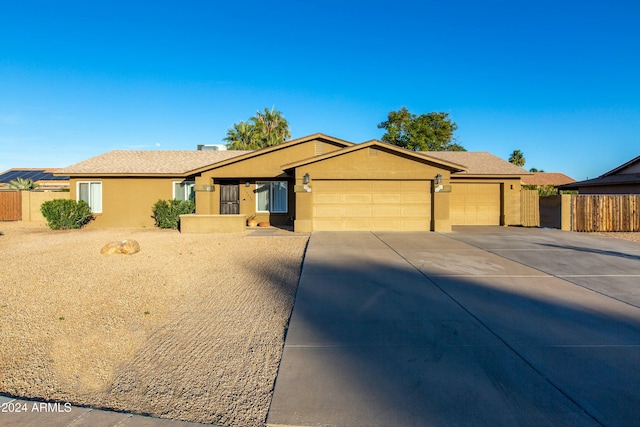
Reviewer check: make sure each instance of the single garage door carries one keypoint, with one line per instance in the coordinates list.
(475, 204)
(371, 205)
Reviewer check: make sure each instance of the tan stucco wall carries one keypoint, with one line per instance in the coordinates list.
(32, 200)
(128, 201)
(511, 202)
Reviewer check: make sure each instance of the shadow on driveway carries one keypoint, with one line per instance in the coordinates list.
(387, 331)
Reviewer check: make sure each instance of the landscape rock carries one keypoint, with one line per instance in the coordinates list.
(126, 247)
(129, 247)
(111, 248)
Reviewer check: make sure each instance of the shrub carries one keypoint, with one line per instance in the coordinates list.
(65, 214)
(167, 213)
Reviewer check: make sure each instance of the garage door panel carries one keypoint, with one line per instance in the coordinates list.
(328, 198)
(355, 186)
(416, 211)
(328, 211)
(385, 186)
(387, 211)
(387, 198)
(353, 224)
(412, 198)
(357, 198)
(358, 211)
(475, 204)
(371, 205)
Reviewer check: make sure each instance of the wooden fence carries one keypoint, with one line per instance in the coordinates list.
(605, 212)
(10, 206)
(529, 208)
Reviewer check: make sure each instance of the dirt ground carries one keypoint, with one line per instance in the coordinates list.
(191, 327)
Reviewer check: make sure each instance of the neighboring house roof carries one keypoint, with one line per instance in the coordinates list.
(630, 167)
(148, 162)
(627, 178)
(454, 167)
(547, 178)
(35, 174)
(478, 163)
(625, 174)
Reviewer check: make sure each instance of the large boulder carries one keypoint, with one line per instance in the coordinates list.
(111, 248)
(127, 247)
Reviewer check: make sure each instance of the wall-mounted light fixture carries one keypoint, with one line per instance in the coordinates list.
(438, 179)
(305, 179)
(247, 184)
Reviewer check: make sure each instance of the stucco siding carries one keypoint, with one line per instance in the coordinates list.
(128, 201)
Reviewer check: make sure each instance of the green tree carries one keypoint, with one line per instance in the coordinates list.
(242, 136)
(517, 158)
(272, 128)
(535, 170)
(426, 132)
(22, 184)
(266, 128)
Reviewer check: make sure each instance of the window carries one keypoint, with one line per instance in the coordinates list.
(184, 190)
(271, 197)
(90, 192)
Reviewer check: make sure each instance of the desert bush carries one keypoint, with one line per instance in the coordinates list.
(65, 214)
(166, 213)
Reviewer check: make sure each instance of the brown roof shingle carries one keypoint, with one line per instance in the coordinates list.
(147, 162)
(547, 178)
(478, 163)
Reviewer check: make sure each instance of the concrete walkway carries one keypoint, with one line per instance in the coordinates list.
(482, 327)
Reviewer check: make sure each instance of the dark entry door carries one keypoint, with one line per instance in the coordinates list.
(229, 198)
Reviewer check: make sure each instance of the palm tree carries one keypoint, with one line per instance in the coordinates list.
(271, 126)
(22, 184)
(517, 158)
(242, 136)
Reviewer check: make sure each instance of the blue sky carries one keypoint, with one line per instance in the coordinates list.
(558, 80)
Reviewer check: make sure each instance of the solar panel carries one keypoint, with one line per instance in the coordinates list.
(36, 175)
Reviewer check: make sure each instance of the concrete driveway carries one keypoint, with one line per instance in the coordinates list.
(484, 326)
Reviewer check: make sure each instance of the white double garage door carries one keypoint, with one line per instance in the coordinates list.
(379, 205)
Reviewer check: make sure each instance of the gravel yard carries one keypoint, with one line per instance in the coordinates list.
(631, 236)
(190, 328)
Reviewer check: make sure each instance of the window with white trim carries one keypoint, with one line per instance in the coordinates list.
(184, 190)
(90, 192)
(271, 196)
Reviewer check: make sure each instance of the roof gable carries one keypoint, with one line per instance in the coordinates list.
(320, 137)
(631, 167)
(413, 155)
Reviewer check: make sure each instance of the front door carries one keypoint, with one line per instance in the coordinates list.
(229, 199)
